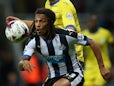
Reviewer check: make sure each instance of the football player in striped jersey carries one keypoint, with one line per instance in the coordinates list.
(59, 52)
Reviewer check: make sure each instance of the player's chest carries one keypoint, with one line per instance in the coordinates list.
(52, 47)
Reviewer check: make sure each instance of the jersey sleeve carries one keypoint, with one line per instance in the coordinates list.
(77, 38)
(29, 48)
(81, 39)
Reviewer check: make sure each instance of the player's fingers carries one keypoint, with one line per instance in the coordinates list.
(31, 67)
(108, 76)
(7, 20)
(28, 66)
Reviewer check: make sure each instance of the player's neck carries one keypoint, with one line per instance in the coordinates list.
(48, 36)
(93, 30)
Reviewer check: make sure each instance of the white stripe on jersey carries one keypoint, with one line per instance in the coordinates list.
(43, 47)
(62, 68)
(56, 43)
(51, 70)
(29, 48)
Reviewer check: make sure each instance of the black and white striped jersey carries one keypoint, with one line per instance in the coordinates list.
(60, 52)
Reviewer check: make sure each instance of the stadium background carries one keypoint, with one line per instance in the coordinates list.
(10, 52)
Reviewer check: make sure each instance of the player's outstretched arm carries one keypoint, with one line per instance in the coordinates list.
(26, 65)
(106, 74)
(10, 18)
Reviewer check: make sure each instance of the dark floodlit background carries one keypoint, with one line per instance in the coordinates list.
(10, 53)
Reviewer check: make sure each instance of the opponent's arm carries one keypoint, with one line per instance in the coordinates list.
(96, 49)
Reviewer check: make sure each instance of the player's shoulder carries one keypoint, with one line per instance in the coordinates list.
(105, 30)
(84, 31)
(65, 2)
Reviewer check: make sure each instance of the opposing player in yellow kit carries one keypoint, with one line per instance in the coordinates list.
(66, 18)
(103, 37)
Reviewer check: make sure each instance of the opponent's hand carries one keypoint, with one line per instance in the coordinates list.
(106, 74)
(10, 18)
(27, 66)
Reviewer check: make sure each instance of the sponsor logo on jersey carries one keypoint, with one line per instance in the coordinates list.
(55, 59)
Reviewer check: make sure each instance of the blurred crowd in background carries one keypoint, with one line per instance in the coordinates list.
(10, 52)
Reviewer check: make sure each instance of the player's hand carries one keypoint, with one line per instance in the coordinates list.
(27, 66)
(10, 18)
(106, 74)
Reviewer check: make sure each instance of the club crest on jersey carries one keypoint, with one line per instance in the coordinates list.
(102, 40)
(69, 16)
(62, 47)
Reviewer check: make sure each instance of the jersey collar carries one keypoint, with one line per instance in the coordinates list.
(54, 2)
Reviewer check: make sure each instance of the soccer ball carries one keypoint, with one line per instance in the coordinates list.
(16, 31)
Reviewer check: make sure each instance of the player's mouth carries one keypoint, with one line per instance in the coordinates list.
(38, 30)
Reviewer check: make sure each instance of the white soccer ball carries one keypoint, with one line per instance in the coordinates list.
(16, 31)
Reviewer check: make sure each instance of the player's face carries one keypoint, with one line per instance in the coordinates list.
(92, 23)
(41, 24)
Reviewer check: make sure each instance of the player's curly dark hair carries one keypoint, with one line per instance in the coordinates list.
(51, 19)
(49, 13)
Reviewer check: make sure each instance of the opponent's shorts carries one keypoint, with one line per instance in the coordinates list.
(74, 78)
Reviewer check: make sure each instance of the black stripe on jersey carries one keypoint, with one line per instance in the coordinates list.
(51, 51)
(69, 33)
(65, 52)
(37, 39)
(66, 32)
